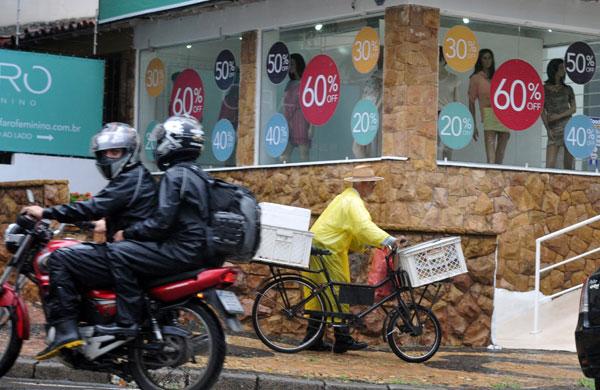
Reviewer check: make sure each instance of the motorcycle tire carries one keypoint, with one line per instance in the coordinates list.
(210, 339)
(13, 347)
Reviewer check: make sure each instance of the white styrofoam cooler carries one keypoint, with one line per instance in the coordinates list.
(289, 217)
(433, 260)
(283, 246)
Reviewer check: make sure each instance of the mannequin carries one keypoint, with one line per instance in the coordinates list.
(496, 135)
(447, 93)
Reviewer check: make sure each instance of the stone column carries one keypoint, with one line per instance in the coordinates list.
(247, 103)
(410, 84)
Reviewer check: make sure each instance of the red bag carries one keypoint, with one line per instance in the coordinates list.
(378, 272)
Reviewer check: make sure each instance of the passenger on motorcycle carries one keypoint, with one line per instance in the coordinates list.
(173, 239)
(129, 197)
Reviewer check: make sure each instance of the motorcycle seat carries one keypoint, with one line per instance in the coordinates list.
(152, 281)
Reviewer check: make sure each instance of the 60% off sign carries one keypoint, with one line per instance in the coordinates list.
(517, 94)
(320, 90)
(187, 96)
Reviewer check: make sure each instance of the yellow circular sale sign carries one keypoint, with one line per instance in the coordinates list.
(154, 77)
(365, 50)
(461, 48)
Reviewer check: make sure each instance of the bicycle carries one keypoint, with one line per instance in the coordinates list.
(412, 330)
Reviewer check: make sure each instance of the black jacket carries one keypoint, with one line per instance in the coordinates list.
(181, 216)
(128, 198)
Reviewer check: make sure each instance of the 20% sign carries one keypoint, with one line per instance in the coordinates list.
(320, 89)
(187, 96)
(517, 94)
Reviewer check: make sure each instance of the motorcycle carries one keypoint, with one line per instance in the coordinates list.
(181, 344)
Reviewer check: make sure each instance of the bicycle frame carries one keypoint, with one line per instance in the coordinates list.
(399, 279)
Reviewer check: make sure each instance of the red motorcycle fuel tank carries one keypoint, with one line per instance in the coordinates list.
(40, 265)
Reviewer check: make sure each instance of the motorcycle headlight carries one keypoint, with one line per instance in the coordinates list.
(13, 236)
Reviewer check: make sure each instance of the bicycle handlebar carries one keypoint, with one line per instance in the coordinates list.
(319, 252)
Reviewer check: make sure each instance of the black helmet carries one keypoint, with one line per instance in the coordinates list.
(179, 138)
(116, 135)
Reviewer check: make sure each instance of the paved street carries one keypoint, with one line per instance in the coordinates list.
(14, 383)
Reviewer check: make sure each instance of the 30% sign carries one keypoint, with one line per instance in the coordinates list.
(517, 94)
(187, 96)
(320, 89)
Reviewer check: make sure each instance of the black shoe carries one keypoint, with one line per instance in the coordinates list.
(118, 329)
(345, 346)
(66, 336)
(320, 346)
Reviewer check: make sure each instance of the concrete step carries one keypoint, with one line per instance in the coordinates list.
(513, 321)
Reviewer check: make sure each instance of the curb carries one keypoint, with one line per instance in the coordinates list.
(25, 368)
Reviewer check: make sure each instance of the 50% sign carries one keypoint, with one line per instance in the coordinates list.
(187, 96)
(278, 62)
(455, 126)
(225, 69)
(517, 94)
(320, 90)
(580, 62)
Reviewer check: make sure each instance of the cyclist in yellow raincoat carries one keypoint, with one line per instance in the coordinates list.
(344, 225)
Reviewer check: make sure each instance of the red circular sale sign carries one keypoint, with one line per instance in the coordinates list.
(320, 89)
(517, 94)
(187, 96)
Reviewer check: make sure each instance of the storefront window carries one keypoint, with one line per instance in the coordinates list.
(321, 92)
(517, 96)
(200, 79)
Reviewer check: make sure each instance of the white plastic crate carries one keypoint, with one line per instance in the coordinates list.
(284, 216)
(283, 246)
(433, 260)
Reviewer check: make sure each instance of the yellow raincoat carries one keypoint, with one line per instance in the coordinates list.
(344, 225)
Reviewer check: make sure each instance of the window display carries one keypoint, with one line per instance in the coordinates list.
(321, 92)
(200, 79)
(518, 119)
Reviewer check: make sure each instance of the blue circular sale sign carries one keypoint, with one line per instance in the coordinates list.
(276, 135)
(223, 140)
(455, 126)
(580, 136)
(365, 122)
(149, 143)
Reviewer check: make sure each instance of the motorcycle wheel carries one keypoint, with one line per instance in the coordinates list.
(191, 363)
(10, 343)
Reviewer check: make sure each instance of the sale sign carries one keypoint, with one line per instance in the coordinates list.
(580, 136)
(278, 62)
(276, 135)
(517, 94)
(225, 69)
(154, 78)
(187, 96)
(461, 48)
(365, 50)
(365, 122)
(223, 140)
(320, 89)
(580, 62)
(455, 125)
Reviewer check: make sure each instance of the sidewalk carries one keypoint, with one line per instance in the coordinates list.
(250, 365)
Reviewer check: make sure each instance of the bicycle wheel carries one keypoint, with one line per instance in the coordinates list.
(418, 343)
(279, 316)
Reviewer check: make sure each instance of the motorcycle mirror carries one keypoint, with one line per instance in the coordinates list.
(30, 197)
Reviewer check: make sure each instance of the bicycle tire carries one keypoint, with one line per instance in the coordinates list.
(283, 333)
(432, 334)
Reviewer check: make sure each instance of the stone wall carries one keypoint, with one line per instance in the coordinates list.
(13, 197)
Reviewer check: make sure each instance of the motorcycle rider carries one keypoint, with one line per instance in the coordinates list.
(129, 197)
(173, 239)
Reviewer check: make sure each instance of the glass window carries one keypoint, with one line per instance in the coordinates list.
(200, 79)
(321, 92)
(512, 82)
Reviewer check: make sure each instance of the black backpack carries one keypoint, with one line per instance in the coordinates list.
(233, 219)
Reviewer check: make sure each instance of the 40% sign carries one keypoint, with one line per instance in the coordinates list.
(187, 96)
(517, 95)
(580, 136)
(320, 89)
